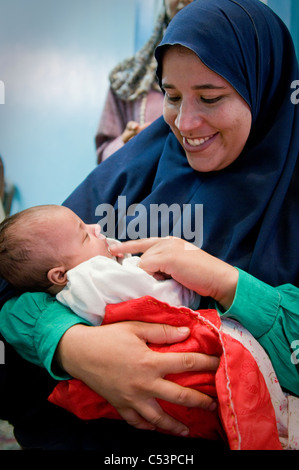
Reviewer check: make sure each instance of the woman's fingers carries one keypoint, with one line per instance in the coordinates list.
(151, 416)
(134, 246)
(183, 396)
(160, 333)
(148, 415)
(131, 416)
(176, 363)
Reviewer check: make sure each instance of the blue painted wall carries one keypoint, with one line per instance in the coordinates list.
(55, 57)
(288, 10)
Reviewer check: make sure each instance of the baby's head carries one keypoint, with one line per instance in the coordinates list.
(39, 245)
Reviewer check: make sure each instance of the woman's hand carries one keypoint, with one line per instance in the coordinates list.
(115, 361)
(187, 264)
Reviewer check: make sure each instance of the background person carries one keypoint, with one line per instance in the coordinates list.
(134, 98)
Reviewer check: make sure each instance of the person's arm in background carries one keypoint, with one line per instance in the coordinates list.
(111, 126)
(270, 314)
(120, 122)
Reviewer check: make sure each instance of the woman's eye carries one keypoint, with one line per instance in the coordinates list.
(211, 100)
(172, 99)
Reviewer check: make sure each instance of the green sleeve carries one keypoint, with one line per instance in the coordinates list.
(272, 317)
(34, 324)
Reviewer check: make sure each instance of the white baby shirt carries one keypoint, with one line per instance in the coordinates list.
(101, 281)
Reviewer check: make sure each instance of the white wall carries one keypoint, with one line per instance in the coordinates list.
(55, 57)
(146, 14)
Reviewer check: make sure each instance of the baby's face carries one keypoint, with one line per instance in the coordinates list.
(77, 241)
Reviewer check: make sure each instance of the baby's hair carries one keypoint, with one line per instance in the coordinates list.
(24, 263)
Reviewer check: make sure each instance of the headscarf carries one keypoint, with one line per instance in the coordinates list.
(250, 208)
(136, 75)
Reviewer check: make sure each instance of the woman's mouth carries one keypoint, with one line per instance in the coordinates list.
(198, 143)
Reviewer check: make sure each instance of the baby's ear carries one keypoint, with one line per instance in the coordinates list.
(58, 276)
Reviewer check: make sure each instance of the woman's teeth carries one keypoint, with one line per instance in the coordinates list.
(197, 142)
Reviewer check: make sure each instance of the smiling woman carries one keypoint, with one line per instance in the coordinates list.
(206, 114)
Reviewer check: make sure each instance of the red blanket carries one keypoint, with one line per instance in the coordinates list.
(245, 416)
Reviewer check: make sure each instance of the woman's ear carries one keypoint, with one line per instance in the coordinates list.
(58, 276)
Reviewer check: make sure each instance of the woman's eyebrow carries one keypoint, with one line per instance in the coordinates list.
(208, 86)
(205, 86)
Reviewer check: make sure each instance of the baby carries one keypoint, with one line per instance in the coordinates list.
(49, 248)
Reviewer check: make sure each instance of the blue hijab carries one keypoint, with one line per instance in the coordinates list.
(250, 209)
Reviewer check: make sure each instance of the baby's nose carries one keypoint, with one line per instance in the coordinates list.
(97, 231)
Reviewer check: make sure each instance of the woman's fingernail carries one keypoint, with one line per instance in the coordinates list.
(213, 406)
(183, 329)
(185, 433)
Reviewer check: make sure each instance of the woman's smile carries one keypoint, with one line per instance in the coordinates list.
(198, 144)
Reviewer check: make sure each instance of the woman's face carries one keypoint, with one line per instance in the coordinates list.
(174, 6)
(209, 118)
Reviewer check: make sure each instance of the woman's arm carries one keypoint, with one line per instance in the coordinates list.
(112, 124)
(115, 361)
(271, 314)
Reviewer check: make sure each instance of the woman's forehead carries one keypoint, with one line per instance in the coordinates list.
(181, 62)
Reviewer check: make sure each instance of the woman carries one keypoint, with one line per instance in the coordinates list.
(249, 203)
(134, 98)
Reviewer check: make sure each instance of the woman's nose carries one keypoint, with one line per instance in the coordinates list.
(188, 118)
